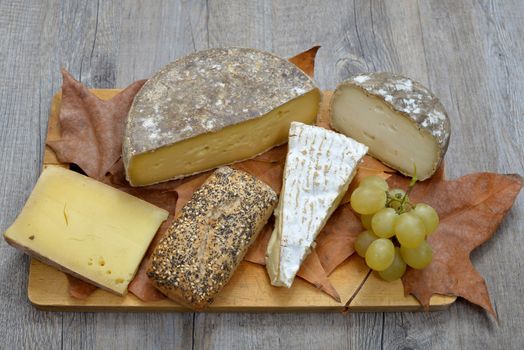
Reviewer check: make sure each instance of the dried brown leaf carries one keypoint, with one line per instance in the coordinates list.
(312, 271)
(165, 199)
(335, 241)
(470, 209)
(80, 289)
(91, 129)
(270, 173)
(274, 155)
(257, 251)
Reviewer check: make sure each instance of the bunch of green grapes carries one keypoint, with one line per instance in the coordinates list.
(396, 230)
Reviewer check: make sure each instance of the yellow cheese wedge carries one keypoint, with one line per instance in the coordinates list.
(211, 108)
(403, 123)
(86, 228)
(229, 145)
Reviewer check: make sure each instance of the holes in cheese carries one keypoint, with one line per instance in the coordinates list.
(403, 124)
(101, 240)
(231, 144)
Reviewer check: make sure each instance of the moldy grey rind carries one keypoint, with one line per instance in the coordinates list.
(207, 91)
(411, 99)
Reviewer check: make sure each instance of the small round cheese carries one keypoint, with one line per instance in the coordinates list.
(401, 121)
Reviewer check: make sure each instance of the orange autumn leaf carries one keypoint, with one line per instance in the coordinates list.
(312, 271)
(142, 288)
(79, 289)
(306, 60)
(165, 199)
(257, 251)
(372, 164)
(470, 210)
(270, 173)
(274, 155)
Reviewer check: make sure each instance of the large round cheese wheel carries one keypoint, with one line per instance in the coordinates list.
(211, 108)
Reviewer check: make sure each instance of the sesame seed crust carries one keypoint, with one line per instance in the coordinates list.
(205, 244)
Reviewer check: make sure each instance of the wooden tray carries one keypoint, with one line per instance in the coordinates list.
(249, 288)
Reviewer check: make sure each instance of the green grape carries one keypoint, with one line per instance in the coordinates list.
(364, 239)
(395, 270)
(366, 221)
(376, 181)
(428, 215)
(419, 257)
(380, 254)
(368, 200)
(383, 222)
(397, 194)
(410, 230)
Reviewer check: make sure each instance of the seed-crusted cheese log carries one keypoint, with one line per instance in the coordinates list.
(400, 120)
(212, 108)
(201, 250)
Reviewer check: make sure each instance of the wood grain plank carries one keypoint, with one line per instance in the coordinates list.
(288, 331)
(109, 47)
(150, 36)
(469, 52)
(248, 290)
(295, 26)
(21, 146)
(127, 331)
(392, 40)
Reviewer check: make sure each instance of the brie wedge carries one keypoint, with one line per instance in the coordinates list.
(320, 164)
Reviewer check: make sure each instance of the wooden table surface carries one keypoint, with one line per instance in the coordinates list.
(470, 53)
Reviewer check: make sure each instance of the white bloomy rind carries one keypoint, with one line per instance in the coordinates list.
(320, 164)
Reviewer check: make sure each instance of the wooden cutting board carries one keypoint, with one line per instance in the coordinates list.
(249, 288)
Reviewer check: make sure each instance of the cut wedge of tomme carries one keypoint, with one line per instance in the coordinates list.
(320, 164)
(212, 108)
(402, 122)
